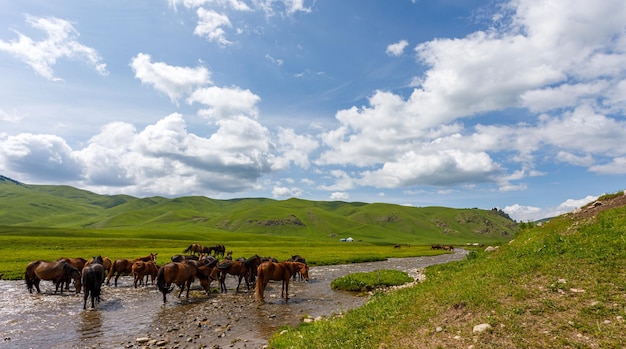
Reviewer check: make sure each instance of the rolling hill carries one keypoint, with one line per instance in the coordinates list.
(56, 206)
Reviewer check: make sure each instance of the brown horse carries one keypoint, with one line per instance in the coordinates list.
(92, 279)
(180, 274)
(58, 272)
(279, 272)
(124, 266)
(241, 269)
(141, 269)
(78, 263)
(106, 263)
(193, 249)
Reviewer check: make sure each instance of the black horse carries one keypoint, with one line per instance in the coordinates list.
(92, 280)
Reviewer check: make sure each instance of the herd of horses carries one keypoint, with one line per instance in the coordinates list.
(442, 247)
(90, 275)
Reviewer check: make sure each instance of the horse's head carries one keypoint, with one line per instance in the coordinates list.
(304, 270)
(73, 273)
(97, 259)
(153, 256)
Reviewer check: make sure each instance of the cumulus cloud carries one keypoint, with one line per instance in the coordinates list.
(339, 196)
(41, 157)
(280, 191)
(397, 49)
(522, 213)
(162, 159)
(174, 81)
(294, 148)
(61, 42)
(565, 75)
(225, 102)
(210, 25)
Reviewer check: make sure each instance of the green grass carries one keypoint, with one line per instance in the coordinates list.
(21, 245)
(371, 280)
(559, 285)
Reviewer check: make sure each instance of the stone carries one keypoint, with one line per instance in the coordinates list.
(481, 328)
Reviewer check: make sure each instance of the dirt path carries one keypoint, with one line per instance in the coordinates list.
(232, 320)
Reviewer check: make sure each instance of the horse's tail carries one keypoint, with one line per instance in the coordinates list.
(161, 281)
(259, 289)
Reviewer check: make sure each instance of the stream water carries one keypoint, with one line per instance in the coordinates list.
(126, 314)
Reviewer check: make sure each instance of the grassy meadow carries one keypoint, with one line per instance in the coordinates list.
(48, 222)
(21, 245)
(558, 285)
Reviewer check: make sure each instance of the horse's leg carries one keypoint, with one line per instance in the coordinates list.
(182, 288)
(188, 287)
(85, 298)
(36, 283)
(117, 276)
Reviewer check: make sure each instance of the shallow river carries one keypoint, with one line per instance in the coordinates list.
(231, 320)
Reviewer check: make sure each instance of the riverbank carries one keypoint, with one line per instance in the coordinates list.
(231, 320)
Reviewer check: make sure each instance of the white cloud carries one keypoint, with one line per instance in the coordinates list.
(281, 192)
(294, 148)
(162, 159)
(617, 166)
(339, 196)
(9, 117)
(225, 102)
(174, 81)
(232, 4)
(397, 49)
(530, 65)
(210, 25)
(61, 42)
(40, 157)
(439, 169)
(285, 7)
(530, 213)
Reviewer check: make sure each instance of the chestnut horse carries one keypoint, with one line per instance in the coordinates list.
(124, 266)
(93, 278)
(141, 269)
(58, 272)
(241, 269)
(182, 274)
(282, 271)
(193, 249)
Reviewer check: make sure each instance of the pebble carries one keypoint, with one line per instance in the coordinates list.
(481, 328)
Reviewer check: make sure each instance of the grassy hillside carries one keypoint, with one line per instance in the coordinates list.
(68, 207)
(558, 285)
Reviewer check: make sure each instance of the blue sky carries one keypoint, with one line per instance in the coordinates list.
(511, 104)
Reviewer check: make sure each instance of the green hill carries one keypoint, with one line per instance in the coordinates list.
(68, 207)
(561, 284)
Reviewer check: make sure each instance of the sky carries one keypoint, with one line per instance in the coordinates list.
(517, 105)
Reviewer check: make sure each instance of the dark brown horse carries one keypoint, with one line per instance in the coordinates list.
(124, 266)
(193, 249)
(279, 272)
(180, 274)
(241, 269)
(141, 270)
(106, 263)
(93, 278)
(57, 272)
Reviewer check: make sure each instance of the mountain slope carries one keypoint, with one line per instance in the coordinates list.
(68, 207)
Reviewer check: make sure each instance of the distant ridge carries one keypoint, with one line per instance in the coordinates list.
(62, 206)
(7, 179)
